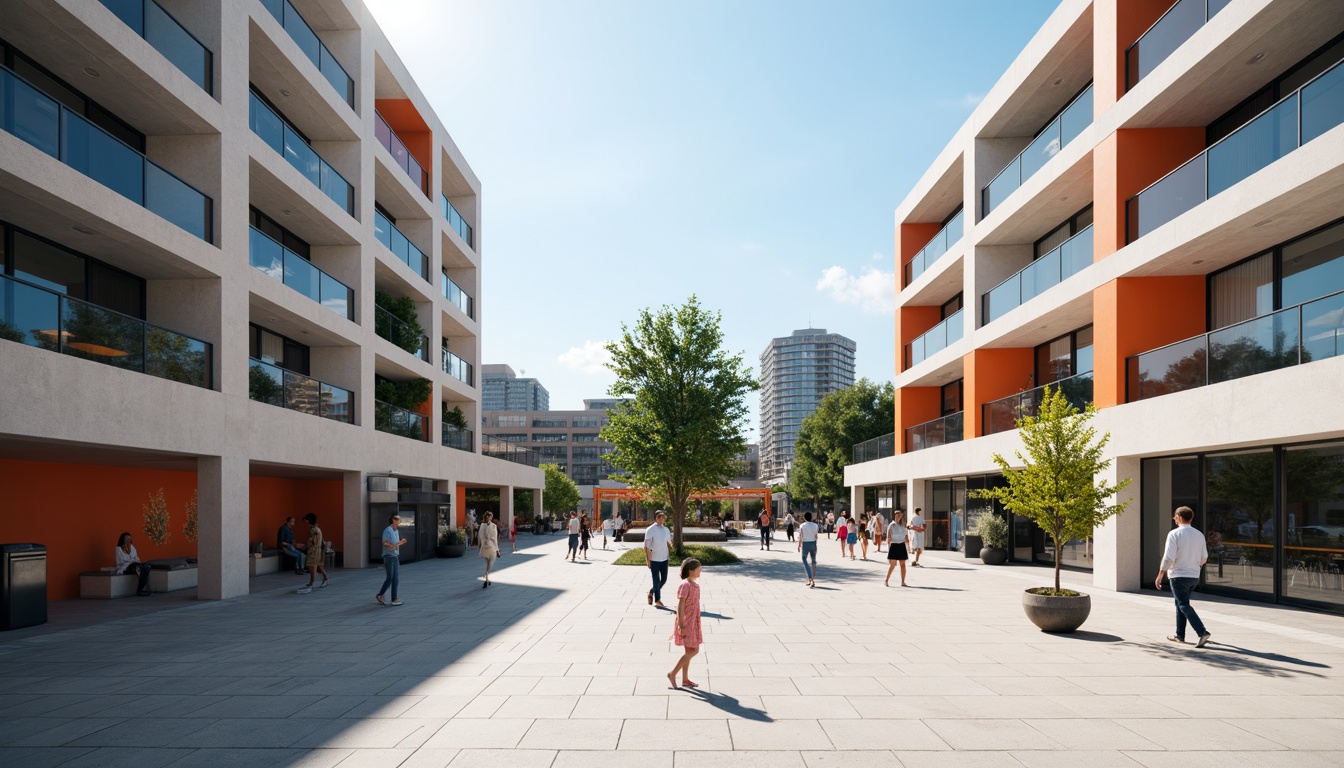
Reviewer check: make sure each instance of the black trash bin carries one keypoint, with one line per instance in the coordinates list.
(23, 585)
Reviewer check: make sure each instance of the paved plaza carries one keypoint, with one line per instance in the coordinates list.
(563, 665)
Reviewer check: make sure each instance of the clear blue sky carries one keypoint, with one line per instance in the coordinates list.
(635, 152)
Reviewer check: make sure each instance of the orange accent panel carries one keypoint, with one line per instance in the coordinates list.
(910, 239)
(405, 120)
(1126, 162)
(79, 510)
(272, 499)
(1116, 25)
(460, 506)
(991, 374)
(1135, 314)
(911, 323)
(915, 405)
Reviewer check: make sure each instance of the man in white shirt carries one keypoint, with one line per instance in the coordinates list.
(606, 531)
(917, 536)
(1182, 561)
(807, 544)
(656, 540)
(575, 528)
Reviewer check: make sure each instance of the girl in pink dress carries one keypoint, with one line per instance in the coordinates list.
(686, 633)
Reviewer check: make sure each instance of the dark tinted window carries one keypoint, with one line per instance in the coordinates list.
(1313, 267)
(46, 265)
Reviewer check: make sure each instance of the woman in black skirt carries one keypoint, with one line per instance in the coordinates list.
(897, 534)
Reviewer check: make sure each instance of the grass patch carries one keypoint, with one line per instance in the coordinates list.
(707, 555)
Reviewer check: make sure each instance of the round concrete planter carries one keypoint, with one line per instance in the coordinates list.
(993, 556)
(1056, 614)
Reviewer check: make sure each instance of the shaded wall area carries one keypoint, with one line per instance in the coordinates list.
(272, 499)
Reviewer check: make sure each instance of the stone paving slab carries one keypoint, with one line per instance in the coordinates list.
(561, 665)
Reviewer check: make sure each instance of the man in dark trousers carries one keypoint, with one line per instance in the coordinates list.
(1184, 557)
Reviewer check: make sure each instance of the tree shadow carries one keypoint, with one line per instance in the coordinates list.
(1233, 658)
(730, 705)
(935, 589)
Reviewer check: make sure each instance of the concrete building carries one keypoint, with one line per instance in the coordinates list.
(204, 214)
(502, 390)
(797, 371)
(1144, 211)
(569, 439)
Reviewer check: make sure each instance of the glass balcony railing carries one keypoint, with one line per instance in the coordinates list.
(158, 27)
(298, 273)
(269, 383)
(390, 141)
(399, 421)
(42, 122)
(1295, 120)
(1057, 135)
(941, 243)
(502, 449)
(934, 433)
(457, 368)
(313, 47)
(1170, 32)
(277, 133)
(390, 327)
(935, 340)
(1301, 334)
(877, 448)
(461, 439)
(49, 320)
(1071, 257)
(454, 293)
(1003, 414)
(456, 221)
(400, 246)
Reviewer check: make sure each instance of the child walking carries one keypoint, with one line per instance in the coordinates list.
(687, 630)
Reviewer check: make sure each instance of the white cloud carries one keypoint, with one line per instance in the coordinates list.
(589, 358)
(872, 290)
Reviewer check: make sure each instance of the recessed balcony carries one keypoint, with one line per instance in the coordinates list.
(1178, 24)
(461, 439)
(167, 36)
(456, 222)
(400, 245)
(400, 154)
(1071, 257)
(877, 448)
(1075, 118)
(941, 243)
(457, 297)
(931, 434)
(313, 47)
(390, 327)
(286, 266)
(399, 421)
(935, 340)
(267, 124)
(269, 383)
(1003, 414)
(457, 368)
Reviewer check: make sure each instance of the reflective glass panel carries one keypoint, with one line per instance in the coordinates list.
(1323, 104)
(102, 158)
(1314, 530)
(176, 201)
(1313, 266)
(1265, 344)
(29, 114)
(1040, 150)
(29, 315)
(173, 356)
(1323, 328)
(101, 335)
(1253, 146)
(302, 277)
(266, 255)
(335, 295)
(1175, 194)
(56, 269)
(1240, 532)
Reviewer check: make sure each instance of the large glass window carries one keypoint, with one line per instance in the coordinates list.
(1240, 519)
(52, 267)
(1313, 551)
(1313, 267)
(1241, 292)
(1167, 485)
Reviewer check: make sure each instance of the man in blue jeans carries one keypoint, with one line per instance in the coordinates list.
(286, 537)
(1182, 561)
(392, 543)
(656, 540)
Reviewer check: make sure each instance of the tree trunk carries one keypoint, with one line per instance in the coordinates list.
(678, 520)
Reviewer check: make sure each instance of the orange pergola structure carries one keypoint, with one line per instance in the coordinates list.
(640, 494)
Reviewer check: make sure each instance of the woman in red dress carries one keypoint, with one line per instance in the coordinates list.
(686, 633)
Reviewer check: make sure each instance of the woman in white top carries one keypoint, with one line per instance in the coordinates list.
(128, 562)
(897, 533)
(788, 525)
(489, 544)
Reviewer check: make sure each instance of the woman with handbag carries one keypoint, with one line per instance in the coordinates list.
(488, 536)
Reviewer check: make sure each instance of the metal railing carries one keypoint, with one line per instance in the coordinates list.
(400, 245)
(1003, 414)
(298, 273)
(1307, 332)
(167, 36)
(313, 47)
(285, 141)
(50, 127)
(1295, 120)
(456, 437)
(269, 383)
(935, 340)
(41, 318)
(1168, 33)
(399, 421)
(455, 220)
(457, 367)
(1071, 257)
(392, 328)
(941, 243)
(877, 448)
(931, 434)
(393, 143)
(459, 298)
(1057, 135)
(502, 449)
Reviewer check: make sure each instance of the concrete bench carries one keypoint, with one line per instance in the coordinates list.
(260, 566)
(172, 575)
(106, 585)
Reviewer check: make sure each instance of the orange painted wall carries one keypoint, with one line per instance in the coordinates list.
(460, 506)
(911, 323)
(1116, 25)
(1135, 314)
(411, 128)
(272, 499)
(991, 374)
(915, 405)
(79, 510)
(1126, 162)
(910, 239)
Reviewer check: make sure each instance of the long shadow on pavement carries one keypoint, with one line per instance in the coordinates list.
(730, 705)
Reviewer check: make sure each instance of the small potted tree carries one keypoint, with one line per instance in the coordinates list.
(993, 533)
(1058, 490)
(451, 543)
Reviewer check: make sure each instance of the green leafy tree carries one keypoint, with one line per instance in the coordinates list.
(1058, 488)
(683, 426)
(826, 441)
(561, 494)
(522, 504)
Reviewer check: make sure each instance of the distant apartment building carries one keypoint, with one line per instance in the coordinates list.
(797, 371)
(569, 439)
(504, 390)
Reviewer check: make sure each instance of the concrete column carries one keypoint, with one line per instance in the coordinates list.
(856, 499)
(537, 509)
(222, 496)
(737, 509)
(915, 497)
(1118, 543)
(354, 520)
(505, 507)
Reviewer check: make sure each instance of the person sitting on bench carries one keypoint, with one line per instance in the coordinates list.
(128, 562)
(287, 546)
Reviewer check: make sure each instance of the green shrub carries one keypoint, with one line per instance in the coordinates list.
(707, 555)
(992, 530)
